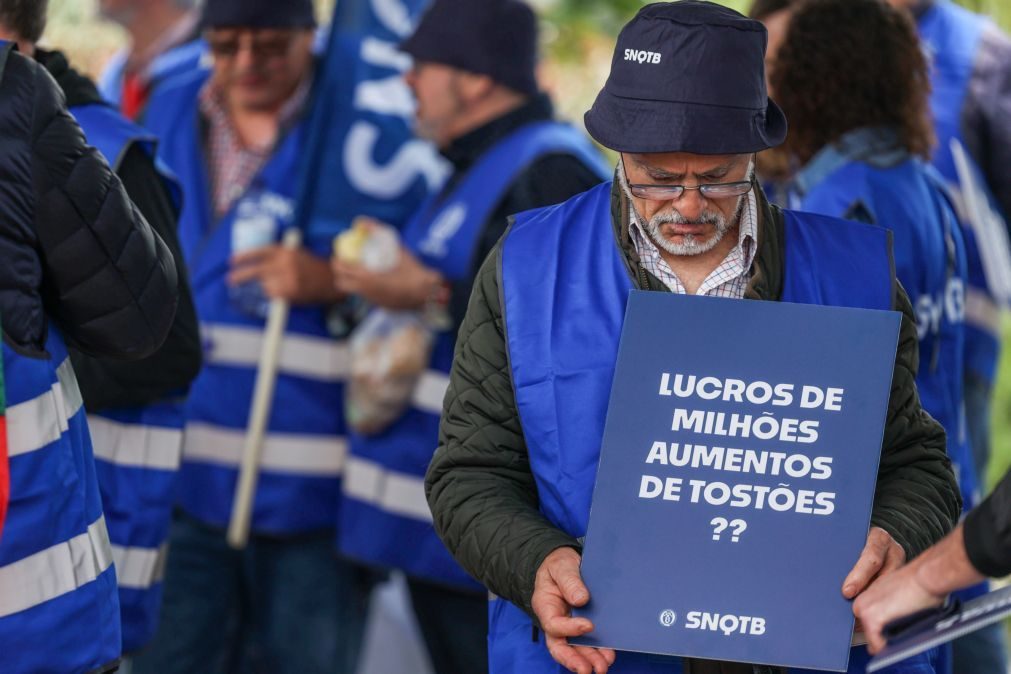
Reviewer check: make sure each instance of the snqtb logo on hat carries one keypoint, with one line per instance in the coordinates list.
(642, 56)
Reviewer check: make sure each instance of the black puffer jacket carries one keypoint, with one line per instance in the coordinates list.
(73, 247)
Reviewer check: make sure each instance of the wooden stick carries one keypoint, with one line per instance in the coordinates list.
(259, 414)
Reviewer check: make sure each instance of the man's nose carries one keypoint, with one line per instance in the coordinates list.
(690, 204)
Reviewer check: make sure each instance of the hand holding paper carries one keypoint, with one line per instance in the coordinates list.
(921, 584)
(557, 587)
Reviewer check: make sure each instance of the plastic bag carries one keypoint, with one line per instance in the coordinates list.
(389, 352)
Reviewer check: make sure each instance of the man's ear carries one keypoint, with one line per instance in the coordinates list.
(474, 86)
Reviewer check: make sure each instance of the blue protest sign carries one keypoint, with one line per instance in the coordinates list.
(736, 477)
(361, 156)
(945, 626)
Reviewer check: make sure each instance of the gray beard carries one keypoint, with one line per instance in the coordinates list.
(690, 244)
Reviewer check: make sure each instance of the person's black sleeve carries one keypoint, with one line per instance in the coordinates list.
(987, 532)
(109, 280)
(109, 383)
(550, 180)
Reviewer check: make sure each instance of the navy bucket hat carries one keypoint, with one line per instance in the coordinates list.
(687, 76)
(258, 14)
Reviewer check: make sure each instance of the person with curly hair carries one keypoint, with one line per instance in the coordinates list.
(853, 81)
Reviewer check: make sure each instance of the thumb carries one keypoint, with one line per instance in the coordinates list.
(567, 578)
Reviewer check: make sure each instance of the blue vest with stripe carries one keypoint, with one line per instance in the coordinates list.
(305, 444)
(59, 611)
(562, 327)
(137, 450)
(952, 34)
(385, 518)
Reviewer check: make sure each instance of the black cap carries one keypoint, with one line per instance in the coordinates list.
(497, 38)
(688, 76)
(258, 14)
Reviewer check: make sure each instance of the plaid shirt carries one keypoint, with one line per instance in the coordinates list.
(231, 164)
(729, 279)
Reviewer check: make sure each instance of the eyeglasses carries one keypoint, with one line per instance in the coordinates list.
(261, 48)
(712, 191)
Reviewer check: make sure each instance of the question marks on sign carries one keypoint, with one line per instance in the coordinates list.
(720, 524)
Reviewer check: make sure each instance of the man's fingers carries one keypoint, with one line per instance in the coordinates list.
(567, 656)
(596, 658)
(608, 654)
(247, 272)
(870, 563)
(564, 626)
(254, 255)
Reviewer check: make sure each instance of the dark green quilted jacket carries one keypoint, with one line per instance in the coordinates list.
(482, 492)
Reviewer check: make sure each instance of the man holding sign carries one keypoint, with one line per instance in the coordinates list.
(510, 483)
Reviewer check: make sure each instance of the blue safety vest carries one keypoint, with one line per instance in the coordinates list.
(563, 414)
(137, 450)
(867, 176)
(175, 61)
(952, 34)
(385, 518)
(59, 612)
(305, 446)
(887, 186)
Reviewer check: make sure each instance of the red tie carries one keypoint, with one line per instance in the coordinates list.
(134, 96)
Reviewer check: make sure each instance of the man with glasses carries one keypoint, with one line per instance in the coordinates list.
(686, 108)
(235, 136)
(479, 102)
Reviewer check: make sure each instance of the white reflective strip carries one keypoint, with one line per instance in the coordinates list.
(302, 356)
(982, 312)
(396, 493)
(35, 423)
(139, 568)
(492, 596)
(55, 571)
(312, 455)
(430, 391)
(135, 445)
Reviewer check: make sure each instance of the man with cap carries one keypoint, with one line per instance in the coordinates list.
(479, 103)
(234, 135)
(686, 107)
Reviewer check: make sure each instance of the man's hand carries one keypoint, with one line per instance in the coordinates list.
(881, 555)
(922, 584)
(893, 596)
(295, 275)
(407, 286)
(558, 587)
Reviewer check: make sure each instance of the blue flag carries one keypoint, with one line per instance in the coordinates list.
(737, 472)
(361, 157)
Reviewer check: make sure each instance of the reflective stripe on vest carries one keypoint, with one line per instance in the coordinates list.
(135, 445)
(139, 568)
(55, 571)
(315, 455)
(304, 453)
(384, 495)
(309, 356)
(562, 378)
(36, 423)
(59, 610)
